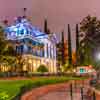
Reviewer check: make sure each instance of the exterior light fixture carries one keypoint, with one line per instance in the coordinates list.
(98, 56)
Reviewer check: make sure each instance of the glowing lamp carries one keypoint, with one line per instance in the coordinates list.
(98, 56)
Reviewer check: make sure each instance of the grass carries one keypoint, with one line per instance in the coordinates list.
(12, 87)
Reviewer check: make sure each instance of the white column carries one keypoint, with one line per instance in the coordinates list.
(54, 58)
(55, 52)
(45, 50)
(49, 51)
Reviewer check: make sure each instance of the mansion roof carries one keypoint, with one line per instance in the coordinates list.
(21, 28)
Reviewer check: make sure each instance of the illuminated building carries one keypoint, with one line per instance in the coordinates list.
(35, 46)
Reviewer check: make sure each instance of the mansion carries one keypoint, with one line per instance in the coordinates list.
(36, 47)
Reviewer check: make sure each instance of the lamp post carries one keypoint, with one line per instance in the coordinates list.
(94, 96)
(81, 93)
(71, 91)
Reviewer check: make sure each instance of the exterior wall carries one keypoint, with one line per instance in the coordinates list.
(33, 62)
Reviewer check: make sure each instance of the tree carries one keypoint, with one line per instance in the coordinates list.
(2, 41)
(42, 69)
(45, 26)
(59, 54)
(96, 66)
(3, 45)
(69, 47)
(77, 45)
(90, 26)
(7, 52)
(63, 49)
(46, 29)
(62, 54)
(24, 12)
(19, 63)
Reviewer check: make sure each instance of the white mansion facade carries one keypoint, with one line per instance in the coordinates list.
(35, 46)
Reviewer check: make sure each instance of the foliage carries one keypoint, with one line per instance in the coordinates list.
(90, 26)
(4, 96)
(42, 69)
(2, 41)
(77, 45)
(65, 67)
(96, 65)
(69, 47)
(6, 50)
(59, 51)
(62, 49)
(46, 29)
(45, 26)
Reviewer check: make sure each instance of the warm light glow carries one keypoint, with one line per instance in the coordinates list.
(98, 56)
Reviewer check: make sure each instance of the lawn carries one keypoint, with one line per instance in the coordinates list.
(12, 87)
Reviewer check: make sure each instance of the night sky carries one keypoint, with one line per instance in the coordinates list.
(58, 12)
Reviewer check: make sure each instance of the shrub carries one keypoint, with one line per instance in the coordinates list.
(4, 96)
(42, 69)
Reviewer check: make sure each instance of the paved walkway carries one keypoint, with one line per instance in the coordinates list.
(62, 94)
(57, 92)
(52, 92)
(38, 92)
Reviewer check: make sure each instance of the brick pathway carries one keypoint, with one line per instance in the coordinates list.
(62, 94)
(51, 92)
(97, 96)
(55, 92)
(38, 92)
